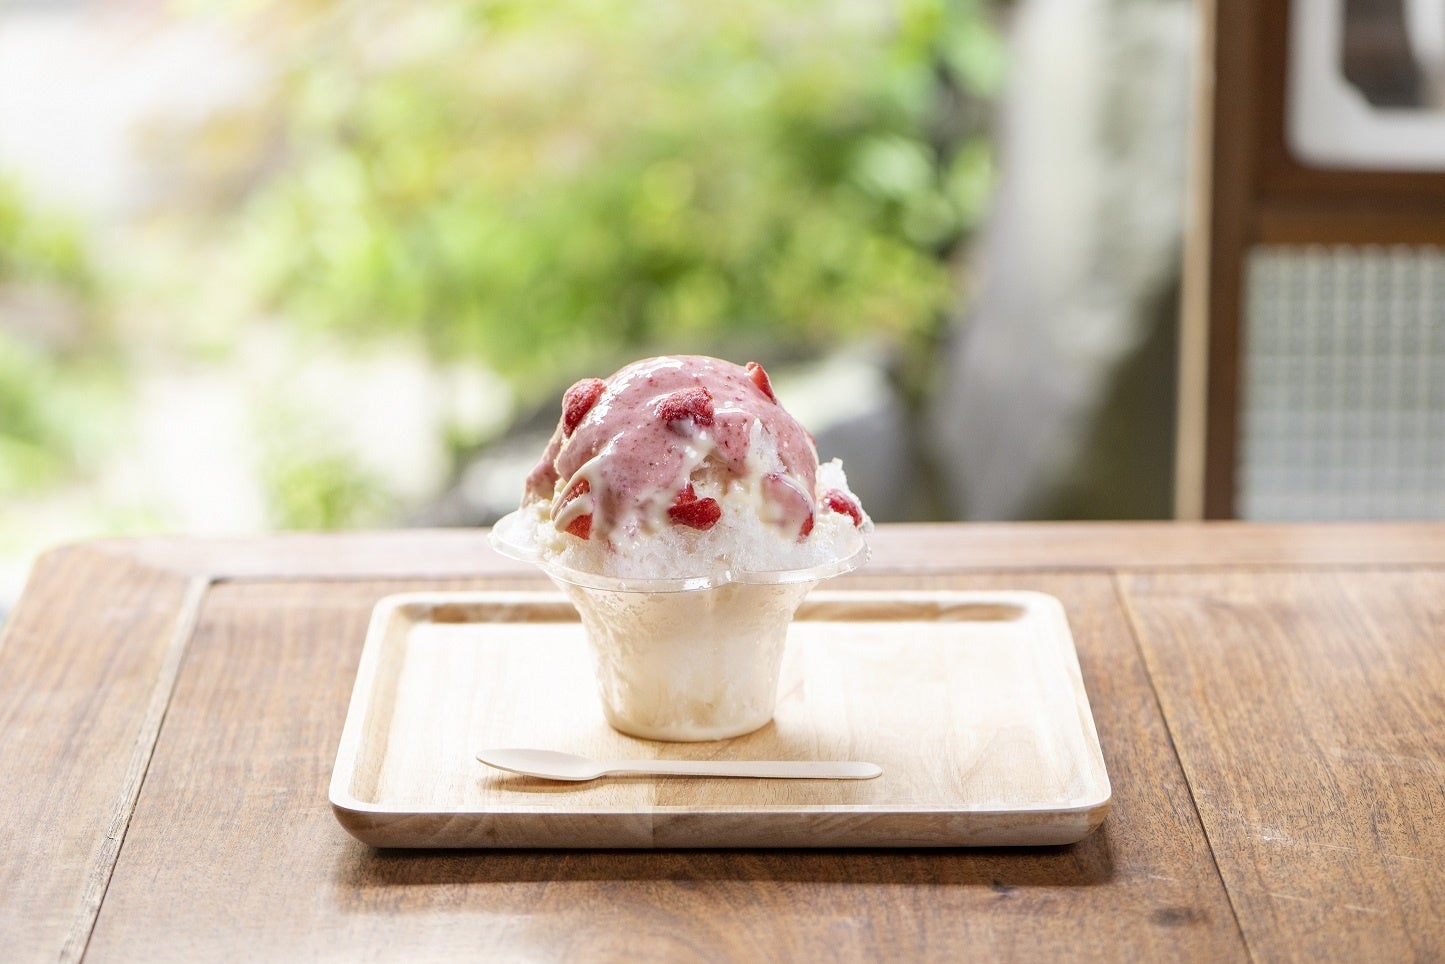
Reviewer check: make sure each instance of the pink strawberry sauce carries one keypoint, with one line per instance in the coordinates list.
(631, 452)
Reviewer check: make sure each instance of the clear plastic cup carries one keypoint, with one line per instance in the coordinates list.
(685, 659)
(699, 664)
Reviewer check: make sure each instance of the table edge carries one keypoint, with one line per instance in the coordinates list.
(898, 548)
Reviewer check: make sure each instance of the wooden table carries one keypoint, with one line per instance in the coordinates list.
(1270, 700)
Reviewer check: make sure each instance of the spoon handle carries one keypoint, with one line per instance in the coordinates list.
(771, 769)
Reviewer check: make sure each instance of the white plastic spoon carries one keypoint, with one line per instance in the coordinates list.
(551, 765)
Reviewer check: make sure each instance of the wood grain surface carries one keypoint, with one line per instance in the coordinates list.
(171, 712)
(239, 787)
(972, 704)
(923, 548)
(1309, 712)
(87, 660)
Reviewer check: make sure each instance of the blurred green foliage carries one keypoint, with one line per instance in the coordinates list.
(311, 479)
(543, 187)
(57, 377)
(322, 489)
(39, 248)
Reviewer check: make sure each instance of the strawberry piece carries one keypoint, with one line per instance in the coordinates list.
(760, 378)
(688, 510)
(787, 507)
(700, 514)
(578, 401)
(839, 502)
(688, 403)
(577, 491)
(581, 527)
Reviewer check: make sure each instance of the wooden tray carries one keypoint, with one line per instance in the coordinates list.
(971, 702)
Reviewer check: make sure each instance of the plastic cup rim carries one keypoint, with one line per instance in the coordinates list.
(523, 552)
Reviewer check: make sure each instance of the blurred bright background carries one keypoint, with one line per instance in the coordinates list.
(321, 264)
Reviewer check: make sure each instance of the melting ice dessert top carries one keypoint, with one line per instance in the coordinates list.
(677, 465)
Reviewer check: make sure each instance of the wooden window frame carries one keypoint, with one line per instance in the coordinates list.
(1247, 189)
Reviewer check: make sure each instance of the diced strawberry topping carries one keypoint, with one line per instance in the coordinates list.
(700, 514)
(786, 505)
(688, 510)
(688, 403)
(576, 492)
(840, 502)
(760, 378)
(579, 401)
(581, 527)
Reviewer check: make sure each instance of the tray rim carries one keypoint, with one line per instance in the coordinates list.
(350, 810)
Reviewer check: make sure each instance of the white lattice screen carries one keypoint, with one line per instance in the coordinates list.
(1342, 406)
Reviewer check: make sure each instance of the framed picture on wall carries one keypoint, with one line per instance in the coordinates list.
(1366, 84)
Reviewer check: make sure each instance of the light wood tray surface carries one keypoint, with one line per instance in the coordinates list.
(971, 702)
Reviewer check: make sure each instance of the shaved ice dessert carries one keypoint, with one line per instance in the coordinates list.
(685, 514)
